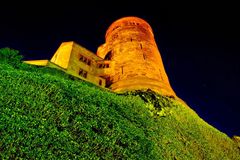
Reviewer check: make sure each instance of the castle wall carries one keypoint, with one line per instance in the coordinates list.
(129, 60)
(83, 64)
(62, 55)
(138, 64)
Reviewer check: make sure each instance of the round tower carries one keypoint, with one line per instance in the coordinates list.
(138, 65)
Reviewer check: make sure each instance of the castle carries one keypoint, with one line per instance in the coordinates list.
(128, 60)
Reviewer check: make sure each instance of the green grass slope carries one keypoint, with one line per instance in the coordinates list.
(45, 114)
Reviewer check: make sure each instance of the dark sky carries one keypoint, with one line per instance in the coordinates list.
(199, 45)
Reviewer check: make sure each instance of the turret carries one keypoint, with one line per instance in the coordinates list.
(138, 65)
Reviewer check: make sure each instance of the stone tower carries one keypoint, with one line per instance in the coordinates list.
(138, 65)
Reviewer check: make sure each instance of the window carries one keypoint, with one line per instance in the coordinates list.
(100, 82)
(85, 75)
(108, 82)
(81, 58)
(89, 63)
(103, 65)
(99, 65)
(82, 73)
(85, 60)
(144, 56)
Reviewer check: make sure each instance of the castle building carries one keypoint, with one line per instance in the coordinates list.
(128, 60)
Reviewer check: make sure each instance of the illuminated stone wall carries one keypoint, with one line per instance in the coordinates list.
(138, 65)
(37, 62)
(128, 60)
(79, 62)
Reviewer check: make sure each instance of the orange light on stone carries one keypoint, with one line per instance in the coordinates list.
(129, 59)
(131, 45)
(62, 55)
(38, 62)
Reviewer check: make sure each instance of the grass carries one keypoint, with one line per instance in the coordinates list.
(47, 114)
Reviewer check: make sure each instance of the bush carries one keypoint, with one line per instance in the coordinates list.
(46, 115)
(10, 56)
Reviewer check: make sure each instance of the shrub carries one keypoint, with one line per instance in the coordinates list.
(44, 114)
(10, 56)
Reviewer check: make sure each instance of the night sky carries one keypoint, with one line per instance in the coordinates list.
(199, 45)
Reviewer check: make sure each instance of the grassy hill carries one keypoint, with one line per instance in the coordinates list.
(46, 114)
